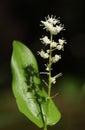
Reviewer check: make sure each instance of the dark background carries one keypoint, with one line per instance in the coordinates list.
(20, 20)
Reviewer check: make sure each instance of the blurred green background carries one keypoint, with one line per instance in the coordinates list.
(20, 20)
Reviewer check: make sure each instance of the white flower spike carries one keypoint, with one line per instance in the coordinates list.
(52, 25)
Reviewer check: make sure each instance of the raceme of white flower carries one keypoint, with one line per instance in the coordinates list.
(54, 27)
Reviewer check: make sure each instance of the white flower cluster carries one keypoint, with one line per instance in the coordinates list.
(52, 25)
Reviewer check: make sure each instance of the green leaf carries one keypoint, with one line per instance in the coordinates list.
(30, 95)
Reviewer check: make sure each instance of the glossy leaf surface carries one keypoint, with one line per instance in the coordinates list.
(30, 95)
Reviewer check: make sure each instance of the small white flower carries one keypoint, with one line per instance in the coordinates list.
(62, 41)
(56, 58)
(53, 80)
(60, 47)
(53, 44)
(45, 40)
(47, 68)
(43, 54)
(59, 28)
(48, 51)
(52, 20)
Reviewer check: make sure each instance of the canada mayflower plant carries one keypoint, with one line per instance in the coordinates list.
(53, 27)
(31, 97)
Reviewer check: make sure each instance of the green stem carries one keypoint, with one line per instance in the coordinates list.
(45, 128)
(49, 84)
(50, 63)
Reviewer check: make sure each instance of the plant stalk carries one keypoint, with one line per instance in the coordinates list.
(49, 84)
(50, 64)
